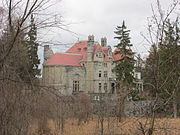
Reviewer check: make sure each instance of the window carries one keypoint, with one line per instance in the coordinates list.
(99, 73)
(105, 73)
(79, 49)
(99, 86)
(100, 55)
(96, 98)
(112, 88)
(105, 87)
(105, 64)
(75, 86)
(136, 76)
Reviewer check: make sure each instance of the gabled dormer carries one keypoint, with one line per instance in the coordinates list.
(98, 53)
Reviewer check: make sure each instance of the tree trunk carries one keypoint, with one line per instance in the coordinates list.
(62, 124)
(175, 109)
(102, 125)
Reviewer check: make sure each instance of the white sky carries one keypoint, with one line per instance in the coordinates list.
(100, 18)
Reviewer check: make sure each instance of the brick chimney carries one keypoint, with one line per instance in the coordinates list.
(104, 42)
(47, 53)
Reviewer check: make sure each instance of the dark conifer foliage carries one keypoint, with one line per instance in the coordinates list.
(125, 66)
(32, 46)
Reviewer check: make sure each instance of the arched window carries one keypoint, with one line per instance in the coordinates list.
(75, 86)
(76, 81)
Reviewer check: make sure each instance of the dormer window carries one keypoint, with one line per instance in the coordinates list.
(100, 55)
(79, 49)
(105, 64)
(105, 73)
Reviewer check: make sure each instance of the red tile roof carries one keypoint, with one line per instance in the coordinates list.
(79, 48)
(64, 59)
(116, 56)
(78, 53)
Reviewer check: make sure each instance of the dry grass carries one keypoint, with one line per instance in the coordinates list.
(128, 126)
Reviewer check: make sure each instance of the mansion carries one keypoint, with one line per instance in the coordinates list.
(85, 67)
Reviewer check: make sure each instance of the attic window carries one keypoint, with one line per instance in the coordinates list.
(79, 49)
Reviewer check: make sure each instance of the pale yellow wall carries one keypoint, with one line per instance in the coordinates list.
(92, 76)
(62, 77)
(89, 76)
(55, 76)
(103, 79)
(75, 74)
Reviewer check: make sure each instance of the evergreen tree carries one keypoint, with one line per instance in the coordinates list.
(32, 47)
(125, 66)
(150, 72)
(162, 66)
(169, 54)
(17, 59)
(169, 57)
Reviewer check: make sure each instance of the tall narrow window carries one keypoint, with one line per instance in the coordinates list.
(112, 88)
(105, 64)
(75, 86)
(99, 73)
(105, 73)
(99, 86)
(105, 87)
(100, 55)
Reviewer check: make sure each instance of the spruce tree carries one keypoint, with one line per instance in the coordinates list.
(162, 67)
(32, 46)
(169, 55)
(125, 66)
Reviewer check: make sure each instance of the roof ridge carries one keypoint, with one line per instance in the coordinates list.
(68, 53)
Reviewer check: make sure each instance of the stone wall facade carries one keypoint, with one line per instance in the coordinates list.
(90, 76)
(93, 76)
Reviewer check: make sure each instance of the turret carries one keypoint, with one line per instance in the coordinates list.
(47, 53)
(90, 47)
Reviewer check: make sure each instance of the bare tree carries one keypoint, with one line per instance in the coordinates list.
(156, 35)
(21, 105)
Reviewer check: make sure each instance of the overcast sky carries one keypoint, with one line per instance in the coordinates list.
(100, 18)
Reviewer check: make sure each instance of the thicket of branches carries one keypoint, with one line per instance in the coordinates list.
(24, 101)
